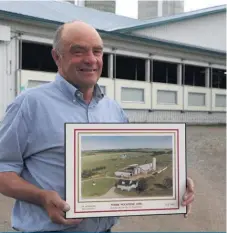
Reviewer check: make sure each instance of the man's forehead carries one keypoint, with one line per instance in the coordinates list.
(75, 33)
(75, 45)
(83, 41)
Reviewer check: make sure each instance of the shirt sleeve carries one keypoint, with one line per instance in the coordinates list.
(13, 138)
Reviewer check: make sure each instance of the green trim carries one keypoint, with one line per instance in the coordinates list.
(171, 19)
(144, 39)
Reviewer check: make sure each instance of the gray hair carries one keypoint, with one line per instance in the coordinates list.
(57, 38)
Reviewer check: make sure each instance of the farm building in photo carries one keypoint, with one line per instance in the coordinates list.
(135, 169)
(167, 69)
(127, 185)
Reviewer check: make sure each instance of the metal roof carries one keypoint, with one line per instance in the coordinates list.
(170, 19)
(57, 12)
(61, 12)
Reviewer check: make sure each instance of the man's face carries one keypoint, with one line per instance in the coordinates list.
(81, 59)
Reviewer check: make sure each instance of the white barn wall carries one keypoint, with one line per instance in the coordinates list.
(150, 110)
(11, 86)
(8, 67)
(203, 31)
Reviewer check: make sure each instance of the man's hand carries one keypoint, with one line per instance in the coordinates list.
(56, 208)
(189, 196)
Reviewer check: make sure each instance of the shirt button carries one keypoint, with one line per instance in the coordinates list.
(74, 101)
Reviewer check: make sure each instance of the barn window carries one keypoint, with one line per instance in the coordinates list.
(218, 79)
(194, 75)
(166, 97)
(105, 66)
(164, 72)
(37, 57)
(196, 99)
(132, 94)
(220, 100)
(130, 68)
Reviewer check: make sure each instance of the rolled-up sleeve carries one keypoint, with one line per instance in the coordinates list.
(13, 138)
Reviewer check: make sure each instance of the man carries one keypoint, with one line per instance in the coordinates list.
(32, 134)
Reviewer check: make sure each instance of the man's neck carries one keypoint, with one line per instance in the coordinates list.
(87, 94)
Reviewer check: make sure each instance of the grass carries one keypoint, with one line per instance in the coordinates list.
(113, 162)
(103, 185)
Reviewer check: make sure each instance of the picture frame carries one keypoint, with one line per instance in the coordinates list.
(123, 169)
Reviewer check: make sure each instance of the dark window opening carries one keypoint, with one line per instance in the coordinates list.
(194, 76)
(129, 68)
(218, 78)
(164, 72)
(105, 66)
(37, 57)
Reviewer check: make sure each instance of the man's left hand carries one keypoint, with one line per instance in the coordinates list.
(189, 196)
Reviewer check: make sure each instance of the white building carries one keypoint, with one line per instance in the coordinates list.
(127, 185)
(170, 69)
(159, 8)
(136, 169)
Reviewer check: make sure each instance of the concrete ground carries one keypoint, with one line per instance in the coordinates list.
(206, 151)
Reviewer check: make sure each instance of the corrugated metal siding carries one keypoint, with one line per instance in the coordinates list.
(176, 116)
(208, 32)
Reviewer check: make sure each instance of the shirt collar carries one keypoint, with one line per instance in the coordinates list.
(72, 91)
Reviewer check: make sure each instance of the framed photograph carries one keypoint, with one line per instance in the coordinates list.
(124, 169)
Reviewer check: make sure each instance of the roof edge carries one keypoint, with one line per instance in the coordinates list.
(165, 42)
(175, 18)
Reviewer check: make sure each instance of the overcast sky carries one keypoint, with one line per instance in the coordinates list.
(121, 142)
(122, 6)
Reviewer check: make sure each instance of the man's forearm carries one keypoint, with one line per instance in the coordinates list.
(13, 186)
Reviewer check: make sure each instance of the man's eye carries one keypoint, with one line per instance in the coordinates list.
(77, 51)
(97, 51)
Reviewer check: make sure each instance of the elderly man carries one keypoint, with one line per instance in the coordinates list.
(32, 134)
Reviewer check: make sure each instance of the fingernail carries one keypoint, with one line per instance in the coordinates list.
(66, 207)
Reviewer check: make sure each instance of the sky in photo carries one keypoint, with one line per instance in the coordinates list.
(122, 142)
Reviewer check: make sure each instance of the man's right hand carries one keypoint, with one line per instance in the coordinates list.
(56, 208)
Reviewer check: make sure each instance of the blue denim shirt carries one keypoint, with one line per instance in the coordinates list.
(32, 145)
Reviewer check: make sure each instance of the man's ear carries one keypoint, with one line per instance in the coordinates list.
(55, 56)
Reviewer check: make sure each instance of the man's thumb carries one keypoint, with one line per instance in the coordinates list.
(63, 205)
(66, 207)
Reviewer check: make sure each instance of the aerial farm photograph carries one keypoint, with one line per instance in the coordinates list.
(119, 166)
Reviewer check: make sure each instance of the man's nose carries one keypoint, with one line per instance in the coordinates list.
(90, 58)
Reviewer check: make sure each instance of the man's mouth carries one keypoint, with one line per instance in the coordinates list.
(88, 70)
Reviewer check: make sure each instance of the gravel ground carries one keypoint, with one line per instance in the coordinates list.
(206, 152)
